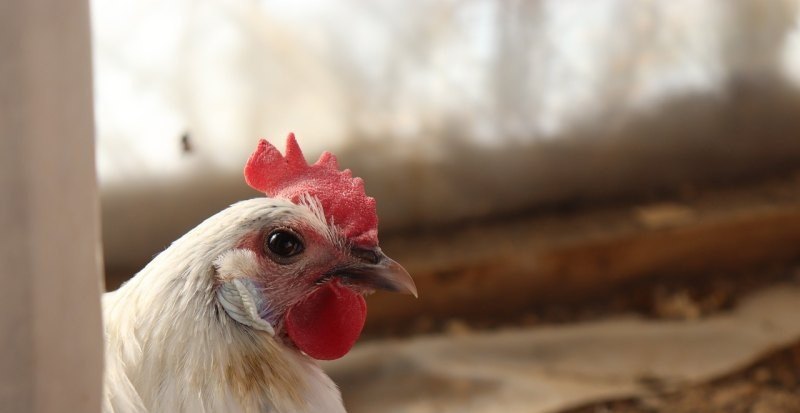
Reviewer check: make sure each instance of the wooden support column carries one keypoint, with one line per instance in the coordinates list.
(50, 326)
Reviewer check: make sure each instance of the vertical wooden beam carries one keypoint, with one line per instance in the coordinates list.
(50, 326)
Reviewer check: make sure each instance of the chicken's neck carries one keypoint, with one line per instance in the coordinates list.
(167, 335)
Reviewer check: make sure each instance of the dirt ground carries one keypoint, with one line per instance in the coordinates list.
(770, 385)
(721, 359)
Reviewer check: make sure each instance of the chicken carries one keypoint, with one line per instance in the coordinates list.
(231, 317)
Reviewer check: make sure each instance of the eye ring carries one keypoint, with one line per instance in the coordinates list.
(283, 244)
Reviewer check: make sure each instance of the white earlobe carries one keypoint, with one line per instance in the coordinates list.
(238, 295)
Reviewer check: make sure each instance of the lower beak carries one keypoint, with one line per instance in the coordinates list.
(385, 274)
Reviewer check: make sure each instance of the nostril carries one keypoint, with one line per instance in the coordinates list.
(369, 256)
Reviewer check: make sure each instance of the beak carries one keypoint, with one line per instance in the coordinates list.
(378, 272)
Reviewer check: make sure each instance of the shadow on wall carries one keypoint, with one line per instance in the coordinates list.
(745, 132)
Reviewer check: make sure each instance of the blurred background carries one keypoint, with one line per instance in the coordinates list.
(541, 168)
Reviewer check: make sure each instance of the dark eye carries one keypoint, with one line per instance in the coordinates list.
(284, 244)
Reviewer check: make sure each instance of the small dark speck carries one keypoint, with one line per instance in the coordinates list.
(186, 142)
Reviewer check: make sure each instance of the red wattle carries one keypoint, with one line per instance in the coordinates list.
(327, 323)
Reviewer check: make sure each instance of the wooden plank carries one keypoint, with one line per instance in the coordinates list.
(506, 268)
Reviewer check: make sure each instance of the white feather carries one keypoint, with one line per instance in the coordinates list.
(171, 346)
(237, 294)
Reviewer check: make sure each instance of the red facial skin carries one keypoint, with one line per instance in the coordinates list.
(322, 319)
(308, 307)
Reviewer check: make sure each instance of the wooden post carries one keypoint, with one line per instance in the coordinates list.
(50, 326)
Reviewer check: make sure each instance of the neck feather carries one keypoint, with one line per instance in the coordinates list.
(173, 340)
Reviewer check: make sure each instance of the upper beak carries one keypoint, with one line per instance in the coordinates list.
(381, 273)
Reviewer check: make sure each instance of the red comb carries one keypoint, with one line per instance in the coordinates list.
(342, 197)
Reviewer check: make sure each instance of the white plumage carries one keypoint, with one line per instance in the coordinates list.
(171, 347)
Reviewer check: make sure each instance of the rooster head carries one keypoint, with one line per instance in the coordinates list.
(303, 265)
